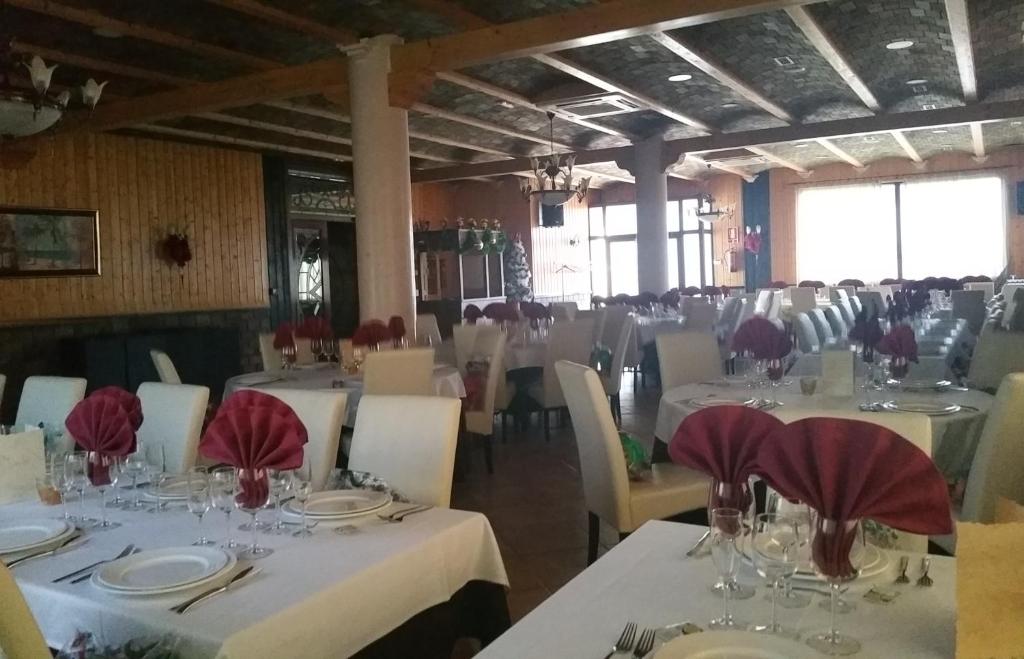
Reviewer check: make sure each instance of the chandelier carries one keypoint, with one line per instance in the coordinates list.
(549, 190)
(708, 214)
(28, 107)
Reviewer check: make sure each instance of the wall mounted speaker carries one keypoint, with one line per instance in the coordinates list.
(1020, 198)
(552, 216)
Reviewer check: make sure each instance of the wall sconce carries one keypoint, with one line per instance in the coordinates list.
(175, 248)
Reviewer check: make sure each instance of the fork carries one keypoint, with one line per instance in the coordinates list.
(924, 580)
(89, 574)
(124, 552)
(76, 540)
(625, 642)
(399, 515)
(904, 562)
(645, 644)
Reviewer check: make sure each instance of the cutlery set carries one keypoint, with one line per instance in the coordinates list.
(399, 515)
(624, 644)
(88, 569)
(74, 540)
(239, 576)
(923, 581)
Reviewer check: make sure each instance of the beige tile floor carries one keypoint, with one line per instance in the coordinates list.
(534, 501)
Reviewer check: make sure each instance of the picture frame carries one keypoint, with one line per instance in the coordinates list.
(49, 242)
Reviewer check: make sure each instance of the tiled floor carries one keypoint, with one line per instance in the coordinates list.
(534, 501)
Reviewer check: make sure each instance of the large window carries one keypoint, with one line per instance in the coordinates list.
(915, 229)
(690, 247)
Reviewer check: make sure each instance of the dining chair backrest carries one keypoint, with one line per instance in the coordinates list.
(970, 305)
(846, 310)
(873, 301)
(570, 341)
(48, 399)
(269, 355)
(464, 338)
(999, 458)
(803, 298)
(996, 354)
(428, 333)
(323, 415)
(775, 308)
(821, 326)
(700, 316)
(806, 336)
(915, 428)
(835, 321)
(856, 304)
(409, 441)
(172, 415)
(841, 292)
(3, 383)
(688, 358)
(987, 288)
(731, 309)
(602, 464)
(399, 372)
(564, 310)
(763, 303)
(20, 636)
(885, 290)
(746, 311)
(490, 345)
(614, 319)
(620, 351)
(164, 367)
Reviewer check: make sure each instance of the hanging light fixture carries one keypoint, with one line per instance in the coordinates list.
(707, 214)
(549, 190)
(28, 109)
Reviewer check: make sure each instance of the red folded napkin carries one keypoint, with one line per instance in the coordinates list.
(472, 313)
(129, 401)
(899, 342)
(396, 325)
(101, 425)
(760, 337)
(850, 470)
(501, 312)
(723, 442)
(371, 333)
(283, 336)
(314, 327)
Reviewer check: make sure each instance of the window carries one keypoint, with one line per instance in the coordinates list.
(692, 252)
(916, 229)
(613, 255)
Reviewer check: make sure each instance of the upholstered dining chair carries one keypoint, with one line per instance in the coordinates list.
(969, 305)
(874, 302)
(20, 636)
(427, 331)
(846, 311)
(571, 341)
(803, 298)
(700, 316)
(763, 301)
(821, 326)
(480, 420)
(915, 428)
(564, 310)
(323, 414)
(614, 320)
(996, 355)
(806, 336)
(835, 321)
(613, 379)
(48, 399)
(164, 367)
(172, 415)
(464, 338)
(269, 355)
(409, 441)
(607, 490)
(399, 372)
(987, 288)
(687, 358)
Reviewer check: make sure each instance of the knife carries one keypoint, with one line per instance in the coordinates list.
(207, 594)
(73, 540)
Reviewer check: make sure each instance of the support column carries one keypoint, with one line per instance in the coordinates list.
(651, 215)
(380, 152)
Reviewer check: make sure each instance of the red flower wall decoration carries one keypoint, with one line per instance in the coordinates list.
(175, 248)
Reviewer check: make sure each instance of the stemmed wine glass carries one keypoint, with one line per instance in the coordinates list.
(99, 465)
(774, 370)
(251, 494)
(738, 496)
(302, 487)
(316, 346)
(61, 483)
(199, 500)
(280, 483)
(800, 514)
(775, 548)
(118, 476)
(135, 466)
(156, 472)
(222, 489)
(837, 550)
(330, 349)
(726, 528)
(76, 472)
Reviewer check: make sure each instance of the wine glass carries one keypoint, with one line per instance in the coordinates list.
(156, 473)
(837, 550)
(199, 500)
(118, 477)
(800, 514)
(99, 466)
(726, 528)
(775, 544)
(135, 466)
(251, 493)
(738, 496)
(288, 356)
(774, 370)
(358, 356)
(330, 349)
(316, 346)
(222, 490)
(302, 487)
(64, 487)
(76, 471)
(280, 482)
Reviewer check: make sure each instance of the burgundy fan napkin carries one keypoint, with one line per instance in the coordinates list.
(472, 313)
(128, 401)
(760, 337)
(671, 298)
(866, 331)
(899, 342)
(283, 336)
(723, 442)
(314, 327)
(371, 333)
(101, 424)
(849, 470)
(396, 325)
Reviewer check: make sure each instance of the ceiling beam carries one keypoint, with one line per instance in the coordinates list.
(602, 82)
(960, 32)
(98, 65)
(902, 140)
(276, 128)
(238, 141)
(583, 26)
(681, 49)
(430, 110)
(95, 19)
(886, 123)
(452, 12)
(288, 20)
(816, 35)
(978, 141)
(839, 153)
(779, 160)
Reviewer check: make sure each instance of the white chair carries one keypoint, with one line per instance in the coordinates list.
(987, 288)
(970, 305)
(571, 341)
(846, 310)
(850, 291)
(427, 331)
(613, 379)
(269, 355)
(874, 302)
(172, 415)
(915, 428)
(776, 306)
(20, 636)
(480, 421)
(836, 322)
(806, 336)
(822, 327)
(803, 299)
(687, 358)
(700, 316)
(564, 310)
(856, 304)
(323, 414)
(464, 338)
(763, 302)
(399, 372)
(607, 490)
(409, 441)
(48, 399)
(614, 319)
(996, 355)
(164, 367)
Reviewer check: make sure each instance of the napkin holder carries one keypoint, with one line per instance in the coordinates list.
(22, 461)
(837, 372)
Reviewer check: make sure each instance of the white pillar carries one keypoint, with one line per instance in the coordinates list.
(651, 216)
(380, 154)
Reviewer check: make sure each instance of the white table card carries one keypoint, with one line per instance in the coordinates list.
(837, 372)
(22, 461)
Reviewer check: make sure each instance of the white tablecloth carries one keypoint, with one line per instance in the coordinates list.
(325, 596)
(447, 383)
(954, 437)
(647, 579)
(529, 355)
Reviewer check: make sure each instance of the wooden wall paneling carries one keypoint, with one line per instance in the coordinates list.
(728, 194)
(552, 249)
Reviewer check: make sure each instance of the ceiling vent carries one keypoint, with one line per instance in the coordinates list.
(737, 161)
(593, 105)
(784, 61)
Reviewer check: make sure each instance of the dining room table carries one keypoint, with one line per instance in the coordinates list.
(371, 591)
(649, 580)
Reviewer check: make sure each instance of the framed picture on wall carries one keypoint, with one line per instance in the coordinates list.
(49, 242)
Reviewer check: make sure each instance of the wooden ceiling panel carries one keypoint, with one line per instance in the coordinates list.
(938, 141)
(523, 76)
(266, 136)
(996, 27)
(504, 12)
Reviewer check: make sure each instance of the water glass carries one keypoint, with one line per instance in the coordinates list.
(64, 485)
(76, 471)
(837, 565)
(726, 528)
(99, 467)
(199, 500)
(223, 482)
(775, 543)
(119, 476)
(135, 467)
(251, 494)
(302, 487)
(280, 483)
(739, 496)
(316, 346)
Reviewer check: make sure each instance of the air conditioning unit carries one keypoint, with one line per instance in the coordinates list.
(736, 161)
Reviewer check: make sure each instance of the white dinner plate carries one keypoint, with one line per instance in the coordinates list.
(176, 490)
(335, 504)
(712, 401)
(922, 385)
(931, 409)
(733, 645)
(25, 534)
(163, 570)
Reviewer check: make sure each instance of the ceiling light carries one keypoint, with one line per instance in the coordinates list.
(107, 32)
(549, 189)
(506, 104)
(680, 77)
(870, 139)
(822, 158)
(1015, 123)
(929, 106)
(940, 131)
(801, 146)
(899, 45)
(795, 69)
(917, 81)
(730, 105)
